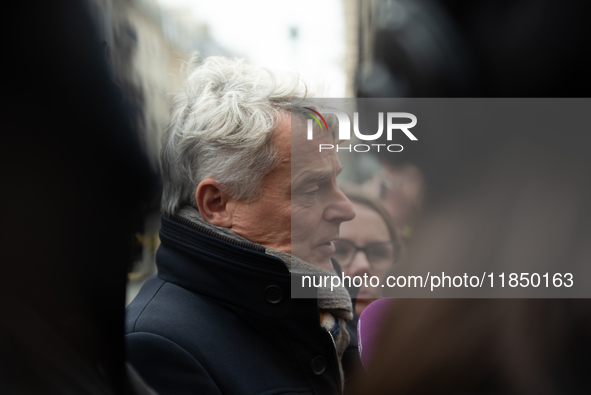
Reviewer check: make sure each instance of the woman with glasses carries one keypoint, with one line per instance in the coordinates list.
(367, 244)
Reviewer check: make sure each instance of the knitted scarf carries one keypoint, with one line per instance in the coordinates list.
(334, 306)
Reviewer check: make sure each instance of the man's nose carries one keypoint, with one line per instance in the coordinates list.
(340, 208)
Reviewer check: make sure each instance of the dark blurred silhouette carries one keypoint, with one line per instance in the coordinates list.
(516, 187)
(467, 48)
(478, 346)
(74, 179)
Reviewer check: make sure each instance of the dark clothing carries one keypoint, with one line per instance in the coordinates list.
(218, 318)
(351, 359)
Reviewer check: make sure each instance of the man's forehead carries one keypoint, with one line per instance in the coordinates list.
(307, 161)
(304, 152)
(318, 175)
(302, 147)
(314, 169)
(291, 131)
(300, 130)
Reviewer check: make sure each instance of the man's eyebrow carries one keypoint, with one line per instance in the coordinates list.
(317, 176)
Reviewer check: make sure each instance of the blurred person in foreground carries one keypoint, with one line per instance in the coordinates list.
(218, 316)
(74, 178)
(369, 244)
(524, 198)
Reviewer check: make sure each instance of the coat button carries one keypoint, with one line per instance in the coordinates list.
(273, 294)
(318, 365)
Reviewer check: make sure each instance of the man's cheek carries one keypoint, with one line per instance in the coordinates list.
(295, 212)
(299, 227)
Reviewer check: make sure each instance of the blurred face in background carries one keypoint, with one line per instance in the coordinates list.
(367, 231)
(400, 189)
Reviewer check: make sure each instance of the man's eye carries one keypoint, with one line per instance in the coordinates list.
(312, 193)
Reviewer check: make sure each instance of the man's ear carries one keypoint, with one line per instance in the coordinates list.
(212, 203)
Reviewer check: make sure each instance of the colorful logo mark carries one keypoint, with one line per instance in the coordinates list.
(316, 118)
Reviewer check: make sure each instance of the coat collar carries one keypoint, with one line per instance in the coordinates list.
(228, 273)
(334, 299)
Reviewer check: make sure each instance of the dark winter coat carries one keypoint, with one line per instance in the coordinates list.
(218, 319)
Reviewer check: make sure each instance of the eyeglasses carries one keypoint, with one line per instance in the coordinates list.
(380, 255)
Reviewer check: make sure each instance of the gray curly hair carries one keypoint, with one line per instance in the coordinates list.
(221, 127)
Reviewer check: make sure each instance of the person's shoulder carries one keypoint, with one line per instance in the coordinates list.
(162, 307)
(167, 366)
(168, 331)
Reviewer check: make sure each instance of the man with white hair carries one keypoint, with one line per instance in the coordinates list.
(244, 210)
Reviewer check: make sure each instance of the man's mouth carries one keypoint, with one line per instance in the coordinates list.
(328, 247)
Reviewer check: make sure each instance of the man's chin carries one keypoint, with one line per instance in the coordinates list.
(321, 261)
(325, 265)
